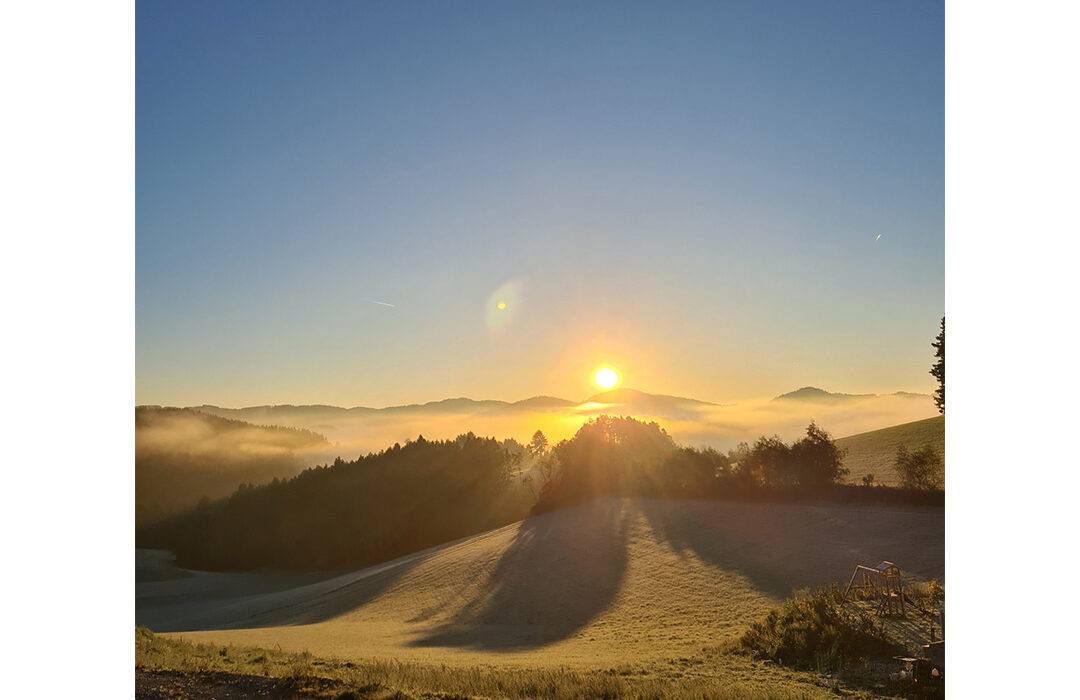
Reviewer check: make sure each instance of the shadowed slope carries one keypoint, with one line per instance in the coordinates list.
(192, 600)
(602, 582)
(786, 546)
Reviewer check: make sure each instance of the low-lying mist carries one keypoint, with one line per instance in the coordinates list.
(185, 455)
(182, 456)
(359, 431)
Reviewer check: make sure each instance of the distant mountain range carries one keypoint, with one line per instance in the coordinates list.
(628, 399)
(812, 393)
(620, 401)
(460, 405)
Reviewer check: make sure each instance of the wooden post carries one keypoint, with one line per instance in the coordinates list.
(853, 575)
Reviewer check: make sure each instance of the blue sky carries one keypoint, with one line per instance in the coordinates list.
(690, 192)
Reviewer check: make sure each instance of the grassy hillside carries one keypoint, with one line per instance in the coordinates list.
(660, 585)
(875, 452)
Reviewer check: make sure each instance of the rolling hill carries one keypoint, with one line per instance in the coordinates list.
(658, 582)
(812, 393)
(182, 455)
(874, 452)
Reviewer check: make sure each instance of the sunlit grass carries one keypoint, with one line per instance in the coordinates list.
(716, 674)
(875, 452)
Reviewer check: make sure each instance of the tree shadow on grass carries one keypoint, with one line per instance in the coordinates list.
(782, 547)
(561, 571)
(683, 528)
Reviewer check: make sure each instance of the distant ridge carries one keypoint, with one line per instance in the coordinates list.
(622, 399)
(452, 405)
(812, 393)
(461, 404)
(633, 395)
(543, 402)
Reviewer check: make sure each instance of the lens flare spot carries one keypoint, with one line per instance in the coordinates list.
(502, 307)
(605, 378)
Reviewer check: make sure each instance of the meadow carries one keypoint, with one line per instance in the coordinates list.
(640, 597)
(874, 452)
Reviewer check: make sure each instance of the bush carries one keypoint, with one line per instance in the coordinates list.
(929, 596)
(813, 631)
(923, 470)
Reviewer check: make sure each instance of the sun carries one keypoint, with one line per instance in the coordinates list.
(605, 378)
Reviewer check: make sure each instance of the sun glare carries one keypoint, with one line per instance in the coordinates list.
(605, 378)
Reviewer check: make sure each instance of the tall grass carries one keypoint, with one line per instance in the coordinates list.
(393, 679)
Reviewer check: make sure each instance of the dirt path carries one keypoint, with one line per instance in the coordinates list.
(216, 685)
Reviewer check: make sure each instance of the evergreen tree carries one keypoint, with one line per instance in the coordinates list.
(938, 370)
(538, 446)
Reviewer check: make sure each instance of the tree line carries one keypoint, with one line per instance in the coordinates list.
(354, 513)
(625, 456)
(408, 497)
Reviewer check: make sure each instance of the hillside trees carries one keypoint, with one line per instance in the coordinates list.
(351, 514)
(627, 457)
(608, 455)
(694, 473)
(183, 456)
(767, 463)
(922, 470)
(815, 460)
(424, 493)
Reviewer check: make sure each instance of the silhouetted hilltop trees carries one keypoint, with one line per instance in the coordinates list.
(624, 456)
(352, 514)
(812, 461)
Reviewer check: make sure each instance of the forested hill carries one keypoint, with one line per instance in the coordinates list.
(182, 456)
(352, 514)
(424, 493)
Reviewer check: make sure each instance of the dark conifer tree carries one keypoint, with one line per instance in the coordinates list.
(938, 370)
